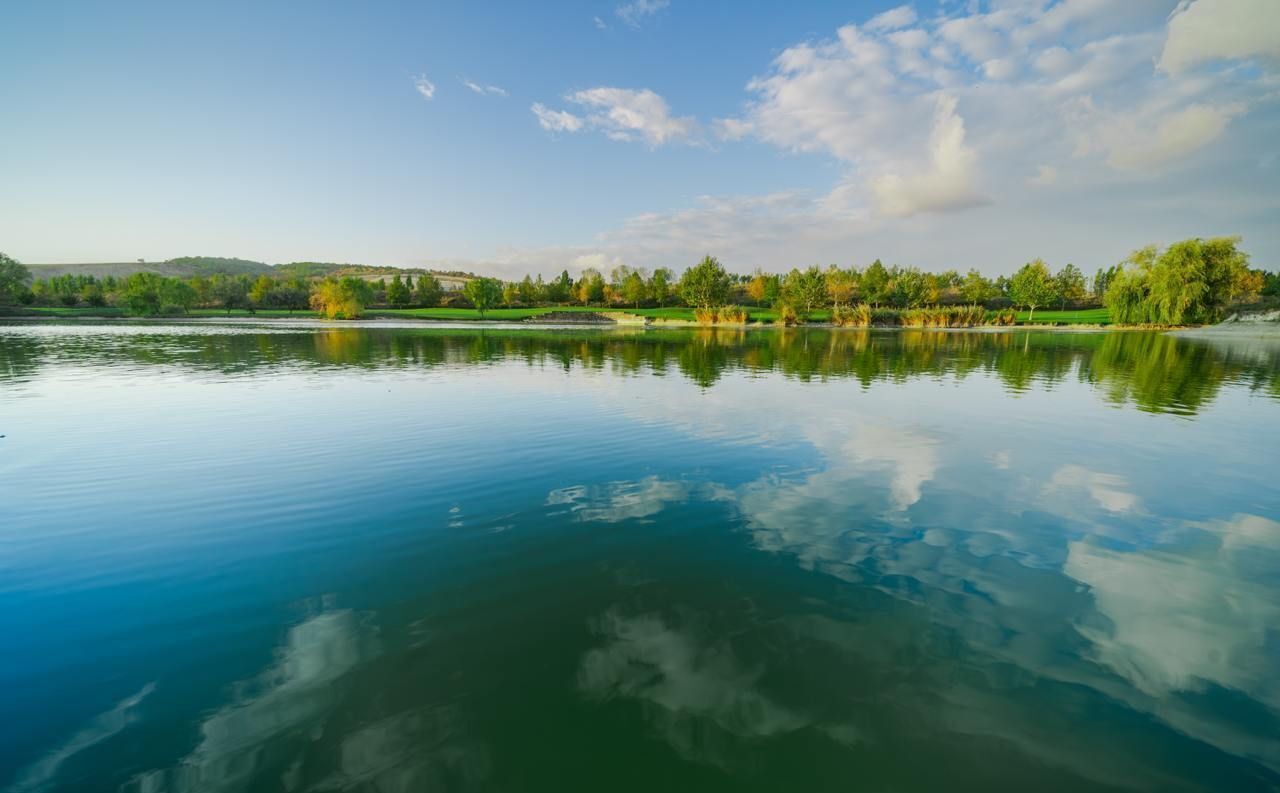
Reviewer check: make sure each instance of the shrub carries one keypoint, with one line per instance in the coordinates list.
(705, 316)
(787, 315)
(731, 315)
(858, 316)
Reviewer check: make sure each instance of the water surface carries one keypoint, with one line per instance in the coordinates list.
(306, 558)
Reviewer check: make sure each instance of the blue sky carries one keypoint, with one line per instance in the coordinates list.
(645, 132)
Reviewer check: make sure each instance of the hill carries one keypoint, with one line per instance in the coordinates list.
(183, 267)
(188, 266)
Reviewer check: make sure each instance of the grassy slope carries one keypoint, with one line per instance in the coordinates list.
(1088, 316)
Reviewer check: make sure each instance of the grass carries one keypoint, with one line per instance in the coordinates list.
(1088, 316)
(1093, 316)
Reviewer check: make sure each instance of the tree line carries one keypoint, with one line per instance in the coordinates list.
(1190, 282)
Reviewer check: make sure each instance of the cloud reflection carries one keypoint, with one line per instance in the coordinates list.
(696, 692)
(290, 699)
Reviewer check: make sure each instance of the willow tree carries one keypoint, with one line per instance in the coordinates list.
(1191, 282)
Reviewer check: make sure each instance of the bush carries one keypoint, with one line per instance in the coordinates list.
(858, 316)
(787, 315)
(731, 315)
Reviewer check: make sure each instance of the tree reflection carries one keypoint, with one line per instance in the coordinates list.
(1152, 371)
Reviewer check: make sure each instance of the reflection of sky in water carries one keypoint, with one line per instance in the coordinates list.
(767, 567)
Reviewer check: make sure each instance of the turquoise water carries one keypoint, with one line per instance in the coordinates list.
(290, 558)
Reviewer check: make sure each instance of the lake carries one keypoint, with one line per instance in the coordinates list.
(296, 557)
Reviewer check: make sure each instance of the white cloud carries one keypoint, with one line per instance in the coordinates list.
(626, 115)
(947, 183)
(1032, 91)
(635, 12)
(599, 23)
(484, 90)
(732, 128)
(894, 18)
(556, 120)
(1207, 30)
(424, 86)
(974, 36)
(1171, 138)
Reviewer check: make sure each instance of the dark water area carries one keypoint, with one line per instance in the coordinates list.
(295, 557)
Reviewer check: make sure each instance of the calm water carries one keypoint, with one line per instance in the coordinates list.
(294, 558)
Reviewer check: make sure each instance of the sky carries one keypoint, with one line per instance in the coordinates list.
(507, 138)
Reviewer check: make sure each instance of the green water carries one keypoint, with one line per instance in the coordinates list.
(289, 557)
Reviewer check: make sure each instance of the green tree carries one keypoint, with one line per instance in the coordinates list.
(805, 290)
(841, 284)
(976, 289)
(260, 292)
(143, 294)
(1193, 281)
(1070, 284)
(484, 293)
(908, 288)
(528, 291)
(427, 292)
(875, 283)
(227, 292)
(590, 287)
(397, 293)
(560, 290)
(14, 277)
(177, 293)
(706, 284)
(343, 298)
(1032, 286)
(634, 289)
(659, 287)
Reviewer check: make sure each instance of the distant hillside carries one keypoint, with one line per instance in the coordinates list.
(187, 266)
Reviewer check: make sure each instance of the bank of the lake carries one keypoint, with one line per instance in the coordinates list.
(755, 315)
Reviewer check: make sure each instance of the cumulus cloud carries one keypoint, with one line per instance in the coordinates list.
(939, 114)
(622, 114)
(1208, 30)
(626, 114)
(894, 18)
(484, 90)
(947, 182)
(635, 12)
(424, 87)
(1170, 138)
(556, 120)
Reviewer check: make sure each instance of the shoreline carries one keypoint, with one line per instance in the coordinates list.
(391, 322)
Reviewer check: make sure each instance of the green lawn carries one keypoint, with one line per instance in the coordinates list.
(1093, 316)
(1088, 316)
